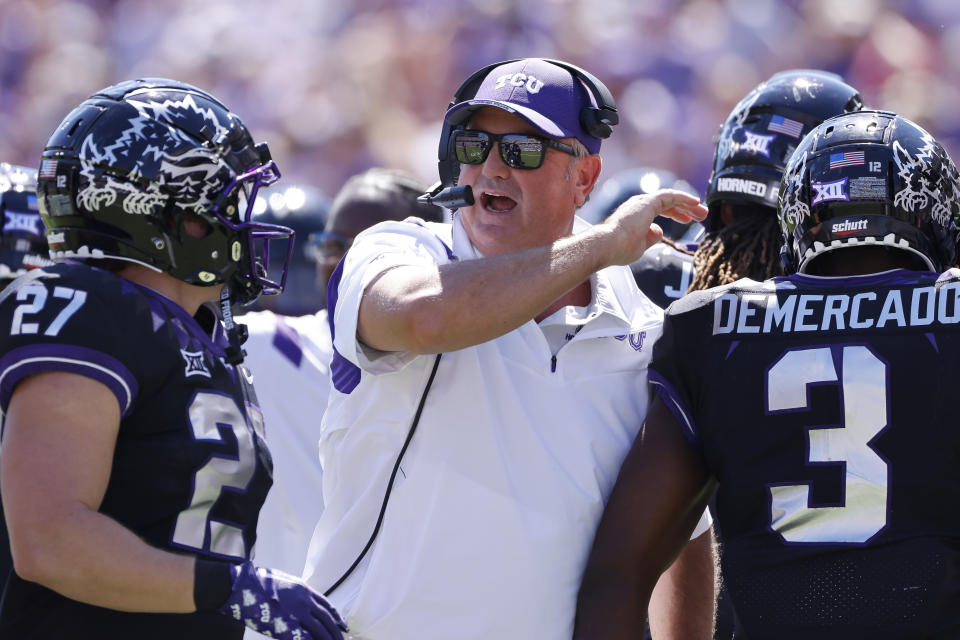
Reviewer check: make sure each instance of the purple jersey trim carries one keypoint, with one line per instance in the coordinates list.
(733, 346)
(286, 340)
(39, 358)
(893, 277)
(671, 398)
(344, 375)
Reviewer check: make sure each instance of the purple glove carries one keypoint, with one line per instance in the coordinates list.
(280, 606)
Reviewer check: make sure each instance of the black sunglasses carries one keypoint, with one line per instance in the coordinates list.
(518, 151)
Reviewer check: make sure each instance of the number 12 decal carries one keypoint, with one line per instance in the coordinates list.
(864, 399)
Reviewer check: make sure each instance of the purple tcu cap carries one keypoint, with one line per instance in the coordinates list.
(547, 96)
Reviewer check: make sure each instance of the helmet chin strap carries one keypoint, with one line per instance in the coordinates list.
(236, 333)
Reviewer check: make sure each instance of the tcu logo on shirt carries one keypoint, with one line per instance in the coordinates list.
(519, 80)
(636, 339)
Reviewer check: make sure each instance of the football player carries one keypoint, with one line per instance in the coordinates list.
(133, 460)
(752, 149)
(825, 432)
(753, 146)
(290, 356)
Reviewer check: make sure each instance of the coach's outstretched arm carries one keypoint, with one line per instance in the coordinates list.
(423, 309)
(661, 492)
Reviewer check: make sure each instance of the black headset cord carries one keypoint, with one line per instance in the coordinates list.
(393, 475)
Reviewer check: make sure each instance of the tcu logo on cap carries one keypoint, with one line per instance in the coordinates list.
(518, 80)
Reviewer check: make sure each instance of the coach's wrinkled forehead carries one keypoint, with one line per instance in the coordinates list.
(547, 96)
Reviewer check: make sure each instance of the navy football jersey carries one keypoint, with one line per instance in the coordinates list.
(663, 273)
(190, 470)
(823, 406)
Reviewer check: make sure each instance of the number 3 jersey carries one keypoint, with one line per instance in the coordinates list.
(824, 407)
(190, 470)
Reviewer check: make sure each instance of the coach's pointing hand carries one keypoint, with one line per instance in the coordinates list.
(631, 224)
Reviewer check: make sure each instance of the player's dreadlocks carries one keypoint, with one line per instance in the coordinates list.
(748, 247)
(672, 243)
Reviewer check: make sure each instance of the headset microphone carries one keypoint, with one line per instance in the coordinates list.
(450, 198)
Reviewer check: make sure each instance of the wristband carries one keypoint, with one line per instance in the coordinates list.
(212, 583)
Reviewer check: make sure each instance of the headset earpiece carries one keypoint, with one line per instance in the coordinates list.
(447, 166)
(598, 121)
(593, 125)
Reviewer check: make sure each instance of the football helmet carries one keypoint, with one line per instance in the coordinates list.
(23, 244)
(304, 209)
(762, 131)
(637, 181)
(871, 178)
(131, 172)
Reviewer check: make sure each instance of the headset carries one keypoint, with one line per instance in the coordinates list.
(598, 121)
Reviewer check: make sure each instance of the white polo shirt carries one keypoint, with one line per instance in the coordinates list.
(494, 510)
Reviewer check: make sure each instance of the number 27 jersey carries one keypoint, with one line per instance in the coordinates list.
(824, 407)
(190, 468)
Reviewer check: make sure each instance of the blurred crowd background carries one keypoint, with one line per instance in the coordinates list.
(336, 86)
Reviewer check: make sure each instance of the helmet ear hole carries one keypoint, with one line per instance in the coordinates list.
(194, 225)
